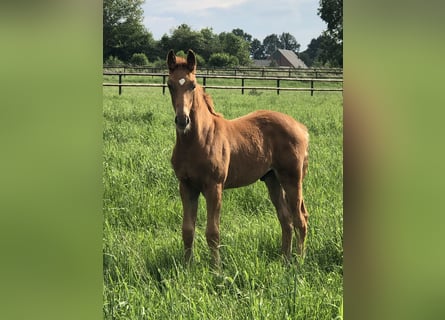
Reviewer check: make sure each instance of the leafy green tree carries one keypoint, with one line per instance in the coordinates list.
(314, 55)
(288, 42)
(123, 31)
(331, 52)
(284, 41)
(139, 59)
(163, 46)
(331, 11)
(223, 60)
(235, 46)
(240, 33)
(257, 49)
(271, 43)
(184, 38)
(205, 43)
(113, 62)
(211, 43)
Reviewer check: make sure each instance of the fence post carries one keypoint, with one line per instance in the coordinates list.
(120, 82)
(163, 82)
(242, 86)
(312, 87)
(278, 86)
(204, 83)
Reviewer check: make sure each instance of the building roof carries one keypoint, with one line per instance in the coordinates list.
(261, 63)
(291, 57)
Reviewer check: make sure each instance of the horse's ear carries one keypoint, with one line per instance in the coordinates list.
(171, 60)
(191, 60)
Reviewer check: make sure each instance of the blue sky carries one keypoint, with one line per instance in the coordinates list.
(259, 18)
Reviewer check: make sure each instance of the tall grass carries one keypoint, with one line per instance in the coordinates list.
(144, 277)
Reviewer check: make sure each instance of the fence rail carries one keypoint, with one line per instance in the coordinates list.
(260, 71)
(278, 80)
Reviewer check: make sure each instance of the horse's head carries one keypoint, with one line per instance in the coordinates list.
(181, 83)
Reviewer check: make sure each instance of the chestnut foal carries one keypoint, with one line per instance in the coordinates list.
(212, 154)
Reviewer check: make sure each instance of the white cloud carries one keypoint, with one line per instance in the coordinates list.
(190, 6)
(256, 17)
(157, 25)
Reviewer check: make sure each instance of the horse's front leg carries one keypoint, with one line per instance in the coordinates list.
(189, 197)
(213, 196)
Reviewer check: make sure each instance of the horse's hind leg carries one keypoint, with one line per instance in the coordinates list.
(292, 183)
(189, 197)
(276, 194)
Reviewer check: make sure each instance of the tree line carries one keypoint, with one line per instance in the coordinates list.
(126, 40)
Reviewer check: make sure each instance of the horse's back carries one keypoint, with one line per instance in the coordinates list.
(261, 141)
(275, 125)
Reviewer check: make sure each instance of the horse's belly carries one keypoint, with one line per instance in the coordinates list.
(246, 174)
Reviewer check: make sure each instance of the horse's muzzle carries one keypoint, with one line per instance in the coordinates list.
(182, 121)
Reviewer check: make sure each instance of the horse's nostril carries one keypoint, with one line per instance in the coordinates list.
(182, 121)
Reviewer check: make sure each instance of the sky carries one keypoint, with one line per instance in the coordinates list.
(259, 18)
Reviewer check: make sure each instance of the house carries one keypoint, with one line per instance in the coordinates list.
(287, 58)
(260, 63)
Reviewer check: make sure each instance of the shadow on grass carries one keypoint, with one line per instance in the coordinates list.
(165, 263)
(133, 116)
(329, 257)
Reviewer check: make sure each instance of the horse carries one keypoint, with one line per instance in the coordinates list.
(212, 154)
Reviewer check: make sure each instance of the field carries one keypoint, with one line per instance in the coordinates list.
(144, 277)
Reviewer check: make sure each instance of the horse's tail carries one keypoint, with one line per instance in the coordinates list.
(306, 154)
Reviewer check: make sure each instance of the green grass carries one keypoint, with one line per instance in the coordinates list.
(144, 277)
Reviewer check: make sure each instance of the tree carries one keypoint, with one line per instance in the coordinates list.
(310, 55)
(285, 41)
(223, 60)
(113, 62)
(211, 43)
(184, 38)
(240, 33)
(235, 46)
(163, 46)
(139, 59)
(314, 55)
(123, 31)
(288, 42)
(257, 49)
(331, 11)
(271, 43)
(331, 52)
(206, 43)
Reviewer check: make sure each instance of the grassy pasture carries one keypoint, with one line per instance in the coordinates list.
(144, 277)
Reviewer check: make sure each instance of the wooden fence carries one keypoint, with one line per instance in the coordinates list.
(257, 71)
(278, 80)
